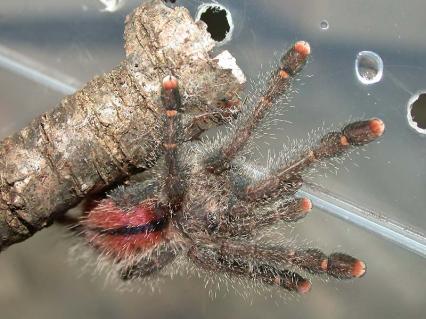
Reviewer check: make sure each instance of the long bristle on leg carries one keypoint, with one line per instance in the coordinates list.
(246, 219)
(210, 258)
(280, 181)
(291, 64)
(170, 97)
(338, 265)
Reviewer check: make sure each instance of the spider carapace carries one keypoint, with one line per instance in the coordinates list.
(207, 204)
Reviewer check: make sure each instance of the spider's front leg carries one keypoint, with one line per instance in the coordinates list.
(279, 84)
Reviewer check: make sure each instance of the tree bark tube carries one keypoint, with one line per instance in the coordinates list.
(110, 128)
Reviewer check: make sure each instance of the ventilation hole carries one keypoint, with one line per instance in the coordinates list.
(416, 112)
(324, 25)
(218, 20)
(368, 67)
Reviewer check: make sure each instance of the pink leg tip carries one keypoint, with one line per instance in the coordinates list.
(359, 269)
(377, 127)
(170, 83)
(303, 287)
(305, 204)
(303, 48)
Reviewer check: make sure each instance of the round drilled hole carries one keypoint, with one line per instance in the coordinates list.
(368, 67)
(416, 112)
(324, 25)
(218, 19)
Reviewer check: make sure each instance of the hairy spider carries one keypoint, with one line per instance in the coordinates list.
(207, 204)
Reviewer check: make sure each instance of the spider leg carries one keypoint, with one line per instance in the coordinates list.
(265, 262)
(211, 258)
(338, 265)
(171, 100)
(148, 265)
(280, 82)
(281, 180)
(246, 219)
(253, 210)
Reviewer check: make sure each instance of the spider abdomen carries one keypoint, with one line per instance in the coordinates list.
(123, 232)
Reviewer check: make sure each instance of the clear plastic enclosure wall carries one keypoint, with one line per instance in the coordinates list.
(50, 48)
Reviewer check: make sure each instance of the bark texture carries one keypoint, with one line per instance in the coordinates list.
(111, 128)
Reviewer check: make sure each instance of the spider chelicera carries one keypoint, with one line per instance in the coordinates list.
(207, 205)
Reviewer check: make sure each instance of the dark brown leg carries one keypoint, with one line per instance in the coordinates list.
(291, 63)
(285, 180)
(170, 97)
(246, 219)
(338, 265)
(208, 258)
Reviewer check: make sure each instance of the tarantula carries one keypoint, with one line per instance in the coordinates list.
(207, 206)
